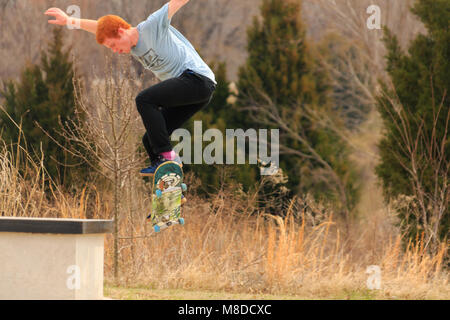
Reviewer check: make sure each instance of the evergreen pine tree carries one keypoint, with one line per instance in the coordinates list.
(421, 84)
(44, 95)
(220, 115)
(280, 66)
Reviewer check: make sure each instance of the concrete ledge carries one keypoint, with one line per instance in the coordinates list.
(52, 258)
(55, 226)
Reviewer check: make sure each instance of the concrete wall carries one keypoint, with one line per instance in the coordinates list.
(49, 266)
(50, 259)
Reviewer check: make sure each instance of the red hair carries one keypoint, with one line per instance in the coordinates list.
(108, 27)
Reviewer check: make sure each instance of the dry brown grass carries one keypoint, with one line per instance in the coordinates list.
(223, 247)
(26, 190)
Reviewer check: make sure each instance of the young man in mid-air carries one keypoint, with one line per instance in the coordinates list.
(187, 83)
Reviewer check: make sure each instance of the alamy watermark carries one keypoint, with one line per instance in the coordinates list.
(74, 280)
(374, 280)
(74, 13)
(374, 21)
(235, 143)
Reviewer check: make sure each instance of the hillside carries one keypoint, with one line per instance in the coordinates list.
(216, 27)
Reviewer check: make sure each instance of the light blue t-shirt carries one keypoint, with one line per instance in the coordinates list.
(164, 50)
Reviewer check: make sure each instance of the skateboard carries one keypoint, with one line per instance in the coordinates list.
(167, 196)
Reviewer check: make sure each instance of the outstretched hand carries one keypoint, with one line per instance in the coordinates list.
(60, 16)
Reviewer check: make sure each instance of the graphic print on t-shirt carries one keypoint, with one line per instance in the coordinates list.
(151, 60)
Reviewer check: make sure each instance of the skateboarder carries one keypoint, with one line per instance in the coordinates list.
(187, 83)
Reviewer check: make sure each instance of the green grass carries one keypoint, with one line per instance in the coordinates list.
(123, 293)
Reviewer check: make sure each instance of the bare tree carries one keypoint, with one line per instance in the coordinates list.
(267, 113)
(357, 63)
(103, 133)
(424, 153)
(349, 19)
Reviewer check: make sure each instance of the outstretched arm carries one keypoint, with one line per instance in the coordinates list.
(175, 5)
(62, 19)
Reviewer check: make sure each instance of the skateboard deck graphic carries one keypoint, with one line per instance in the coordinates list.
(167, 196)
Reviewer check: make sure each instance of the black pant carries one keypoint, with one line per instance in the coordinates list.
(165, 106)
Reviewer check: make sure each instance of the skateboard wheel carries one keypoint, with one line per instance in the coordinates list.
(156, 228)
(181, 221)
(158, 193)
(183, 187)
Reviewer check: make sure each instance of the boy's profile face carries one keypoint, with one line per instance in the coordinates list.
(119, 45)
